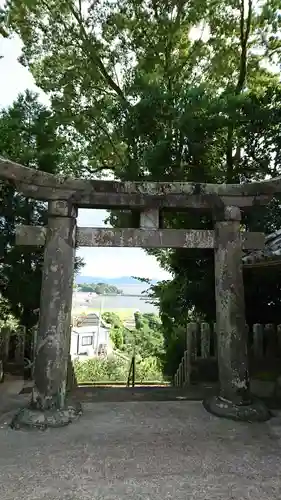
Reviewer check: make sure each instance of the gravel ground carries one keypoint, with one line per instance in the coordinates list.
(143, 451)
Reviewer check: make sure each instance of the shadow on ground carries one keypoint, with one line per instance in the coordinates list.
(196, 392)
(142, 450)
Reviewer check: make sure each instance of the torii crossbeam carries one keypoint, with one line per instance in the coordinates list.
(61, 236)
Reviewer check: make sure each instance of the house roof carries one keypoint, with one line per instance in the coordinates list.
(86, 329)
(270, 255)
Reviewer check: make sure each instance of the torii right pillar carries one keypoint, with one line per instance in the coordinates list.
(234, 400)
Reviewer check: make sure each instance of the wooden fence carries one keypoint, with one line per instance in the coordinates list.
(264, 343)
(12, 344)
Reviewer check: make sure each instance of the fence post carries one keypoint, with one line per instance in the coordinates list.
(177, 378)
(205, 340)
(191, 349)
(182, 372)
(247, 331)
(2, 344)
(279, 339)
(191, 344)
(215, 343)
(270, 340)
(20, 336)
(258, 340)
(186, 368)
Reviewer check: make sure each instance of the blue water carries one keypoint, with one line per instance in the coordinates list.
(118, 301)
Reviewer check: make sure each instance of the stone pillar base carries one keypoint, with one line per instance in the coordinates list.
(31, 418)
(256, 411)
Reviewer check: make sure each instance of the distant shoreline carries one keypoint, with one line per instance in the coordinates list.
(117, 295)
(133, 299)
(119, 282)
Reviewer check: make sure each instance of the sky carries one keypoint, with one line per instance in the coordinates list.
(101, 262)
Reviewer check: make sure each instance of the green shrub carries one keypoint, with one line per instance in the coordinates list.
(97, 370)
(116, 370)
(149, 369)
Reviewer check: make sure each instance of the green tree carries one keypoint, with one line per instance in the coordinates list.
(6, 317)
(112, 319)
(105, 289)
(29, 134)
(138, 79)
(116, 328)
(117, 337)
(164, 90)
(4, 32)
(148, 335)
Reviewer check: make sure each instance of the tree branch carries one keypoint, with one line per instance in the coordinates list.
(102, 167)
(155, 9)
(94, 56)
(244, 38)
(180, 6)
(95, 59)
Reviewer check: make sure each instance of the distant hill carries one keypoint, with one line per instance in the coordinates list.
(122, 280)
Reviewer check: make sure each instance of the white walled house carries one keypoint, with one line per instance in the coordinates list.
(91, 338)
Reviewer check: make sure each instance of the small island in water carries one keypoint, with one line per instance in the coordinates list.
(99, 288)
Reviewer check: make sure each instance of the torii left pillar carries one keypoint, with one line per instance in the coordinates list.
(49, 407)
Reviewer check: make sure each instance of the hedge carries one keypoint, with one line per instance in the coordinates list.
(111, 369)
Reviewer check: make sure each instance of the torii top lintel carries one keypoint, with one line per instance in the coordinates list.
(114, 194)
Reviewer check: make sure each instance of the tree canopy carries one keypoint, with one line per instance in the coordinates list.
(29, 135)
(146, 339)
(167, 90)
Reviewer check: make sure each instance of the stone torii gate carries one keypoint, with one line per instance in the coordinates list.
(49, 405)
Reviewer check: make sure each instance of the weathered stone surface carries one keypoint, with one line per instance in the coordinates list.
(14, 171)
(187, 368)
(149, 219)
(205, 340)
(232, 213)
(60, 239)
(258, 341)
(61, 208)
(83, 192)
(33, 418)
(271, 340)
(145, 238)
(71, 382)
(276, 393)
(230, 311)
(234, 401)
(279, 338)
(89, 198)
(255, 411)
(191, 343)
(53, 340)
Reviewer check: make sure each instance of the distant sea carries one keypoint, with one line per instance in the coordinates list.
(121, 302)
